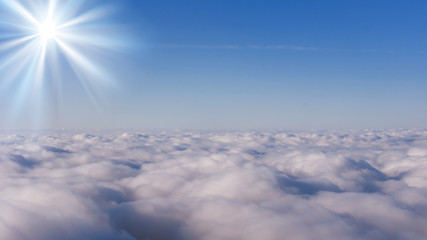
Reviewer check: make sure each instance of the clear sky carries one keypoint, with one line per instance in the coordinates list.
(250, 64)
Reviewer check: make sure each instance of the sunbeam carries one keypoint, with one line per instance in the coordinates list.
(41, 37)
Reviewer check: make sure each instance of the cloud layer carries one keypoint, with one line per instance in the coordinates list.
(214, 185)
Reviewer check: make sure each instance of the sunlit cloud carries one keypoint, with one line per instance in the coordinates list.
(198, 185)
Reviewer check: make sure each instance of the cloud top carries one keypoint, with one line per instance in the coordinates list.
(368, 184)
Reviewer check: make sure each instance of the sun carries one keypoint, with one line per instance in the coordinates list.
(47, 31)
(44, 43)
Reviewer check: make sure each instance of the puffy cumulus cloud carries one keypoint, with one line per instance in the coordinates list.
(214, 185)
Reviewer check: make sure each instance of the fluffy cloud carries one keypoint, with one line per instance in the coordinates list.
(214, 185)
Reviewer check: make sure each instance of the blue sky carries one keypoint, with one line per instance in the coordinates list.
(259, 64)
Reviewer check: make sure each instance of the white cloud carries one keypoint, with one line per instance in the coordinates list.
(214, 185)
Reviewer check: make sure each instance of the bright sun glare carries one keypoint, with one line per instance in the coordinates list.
(40, 42)
(47, 31)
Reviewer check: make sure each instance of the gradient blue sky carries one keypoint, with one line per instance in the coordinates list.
(261, 64)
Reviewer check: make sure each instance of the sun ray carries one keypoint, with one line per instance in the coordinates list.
(16, 43)
(86, 17)
(22, 11)
(82, 62)
(36, 34)
(16, 63)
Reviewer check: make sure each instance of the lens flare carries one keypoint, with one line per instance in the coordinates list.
(46, 42)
